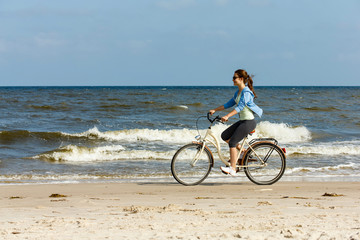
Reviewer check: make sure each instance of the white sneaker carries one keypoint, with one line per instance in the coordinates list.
(229, 170)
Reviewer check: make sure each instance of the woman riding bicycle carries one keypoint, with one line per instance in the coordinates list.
(245, 107)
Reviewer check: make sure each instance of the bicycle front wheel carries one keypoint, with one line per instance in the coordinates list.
(272, 170)
(190, 166)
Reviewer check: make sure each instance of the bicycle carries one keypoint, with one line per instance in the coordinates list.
(263, 160)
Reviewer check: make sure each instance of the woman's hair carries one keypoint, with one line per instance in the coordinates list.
(247, 79)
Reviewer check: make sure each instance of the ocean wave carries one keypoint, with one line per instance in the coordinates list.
(344, 168)
(78, 154)
(322, 109)
(128, 135)
(135, 135)
(197, 104)
(75, 178)
(280, 131)
(148, 102)
(177, 107)
(283, 132)
(62, 107)
(116, 106)
(21, 135)
(331, 148)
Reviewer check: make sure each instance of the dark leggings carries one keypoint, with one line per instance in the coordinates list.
(238, 131)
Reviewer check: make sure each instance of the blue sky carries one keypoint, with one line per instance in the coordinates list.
(179, 42)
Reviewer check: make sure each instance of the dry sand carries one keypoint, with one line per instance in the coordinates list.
(295, 210)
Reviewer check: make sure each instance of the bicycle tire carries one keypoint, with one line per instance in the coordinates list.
(182, 169)
(274, 158)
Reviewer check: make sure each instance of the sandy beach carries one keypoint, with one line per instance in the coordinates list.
(295, 210)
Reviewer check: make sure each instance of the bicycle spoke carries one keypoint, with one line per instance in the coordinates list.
(191, 165)
(273, 167)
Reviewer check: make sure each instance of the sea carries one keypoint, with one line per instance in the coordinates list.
(129, 134)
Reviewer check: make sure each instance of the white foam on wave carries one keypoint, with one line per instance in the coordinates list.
(343, 168)
(134, 135)
(330, 148)
(182, 107)
(76, 178)
(283, 132)
(72, 153)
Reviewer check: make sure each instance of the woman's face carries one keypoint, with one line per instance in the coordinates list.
(237, 80)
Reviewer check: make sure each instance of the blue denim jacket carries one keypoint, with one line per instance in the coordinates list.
(246, 99)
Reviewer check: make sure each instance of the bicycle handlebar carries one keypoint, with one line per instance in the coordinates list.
(217, 118)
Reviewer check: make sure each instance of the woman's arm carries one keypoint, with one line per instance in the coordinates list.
(229, 115)
(229, 104)
(220, 108)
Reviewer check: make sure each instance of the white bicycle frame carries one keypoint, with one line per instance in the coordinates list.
(211, 138)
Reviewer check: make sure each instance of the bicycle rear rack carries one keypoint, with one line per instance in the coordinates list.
(273, 140)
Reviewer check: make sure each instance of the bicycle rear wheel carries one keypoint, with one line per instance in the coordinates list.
(272, 170)
(190, 166)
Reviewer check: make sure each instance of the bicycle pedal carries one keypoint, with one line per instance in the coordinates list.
(252, 160)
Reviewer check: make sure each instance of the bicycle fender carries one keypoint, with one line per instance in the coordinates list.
(207, 149)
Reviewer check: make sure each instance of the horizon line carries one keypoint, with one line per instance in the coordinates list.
(39, 86)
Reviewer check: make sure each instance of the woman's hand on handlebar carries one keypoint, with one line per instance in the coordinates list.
(217, 118)
(225, 119)
(212, 111)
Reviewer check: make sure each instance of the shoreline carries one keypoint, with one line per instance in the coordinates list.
(297, 210)
(170, 180)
